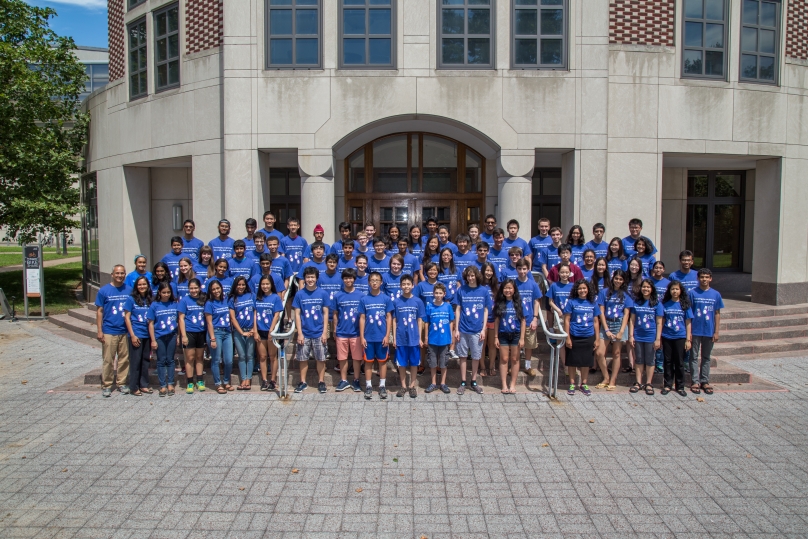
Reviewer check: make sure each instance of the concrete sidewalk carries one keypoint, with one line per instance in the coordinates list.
(47, 263)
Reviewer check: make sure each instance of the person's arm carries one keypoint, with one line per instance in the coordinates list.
(529, 258)
(632, 318)
(362, 331)
(392, 326)
(717, 325)
(623, 323)
(522, 334)
(658, 338)
(151, 335)
(568, 342)
(334, 324)
(455, 330)
(556, 308)
(421, 339)
(211, 335)
(689, 338)
(299, 326)
(128, 321)
(99, 321)
(602, 318)
(183, 334)
(544, 270)
(255, 335)
(324, 337)
(596, 325)
(236, 325)
(485, 321)
(537, 312)
(388, 324)
(496, 332)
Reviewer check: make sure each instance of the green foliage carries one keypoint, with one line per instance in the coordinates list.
(42, 130)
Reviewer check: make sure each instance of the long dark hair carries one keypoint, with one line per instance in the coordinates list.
(653, 300)
(581, 239)
(590, 290)
(452, 268)
(236, 282)
(140, 298)
(213, 283)
(621, 253)
(259, 294)
(410, 240)
(623, 290)
(155, 280)
(635, 281)
(389, 243)
(493, 282)
(162, 286)
(684, 300)
(605, 275)
(201, 298)
(501, 303)
(429, 253)
(181, 278)
(428, 266)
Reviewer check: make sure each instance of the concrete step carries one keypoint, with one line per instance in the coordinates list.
(759, 322)
(746, 348)
(87, 329)
(85, 315)
(766, 334)
(756, 311)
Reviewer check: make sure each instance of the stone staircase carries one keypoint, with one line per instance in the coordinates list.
(750, 330)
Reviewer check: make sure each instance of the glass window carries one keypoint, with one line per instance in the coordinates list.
(440, 165)
(390, 165)
(133, 3)
(294, 29)
(167, 47)
(367, 34)
(138, 76)
(539, 34)
(89, 226)
(714, 226)
(466, 33)
(760, 28)
(704, 35)
(474, 172)
(356, 172)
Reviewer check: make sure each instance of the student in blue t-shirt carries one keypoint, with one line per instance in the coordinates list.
(615, 306)
(509, 271)
(582, 327)
(269, 229)
(330, 280)
(220, 338)
(338, 246)
(576, 241)
(379, 261)
(346, 330)
(140, 271)
(513, 239)
(361, 281)
(317, 262)
(588, 264)
(249, 240)
(464, 257)
(661, 285)
(449, 276)
(408, 326)
(645, 334)
(509, 321)
(440, 322)
(191, 312)
(616, 258)
(280, 264)
(172, 258)
(223, 244)
(293, 246)
(240, 265)
(318, 233)
(686, 274)
(221, 270)
(375, 322)
(203, 267)
(392, 279)
(242, 312)
(706, 304)
(186, 273)
(391, 241)
(268, 306)
(676, 337)
(161, 274)
(430, 253)
(559, 291)
(472, 306)
(136, 313)
(635, 232)
(539, 243)
(346, 258)
(311, 306)
(597, 244)
(163, 324)
(443, 239)
(190, 244)
(260, 243)
(264, 270)
(498, 253)
(549, 257)
(109, 319)
(644, 256)
(530, 294)
(424, 290)
(410, 263)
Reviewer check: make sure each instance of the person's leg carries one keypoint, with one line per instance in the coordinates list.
(443, 363)
(706, 354)
(342, 357)
(190, 356)
(678, 357)
(122, 351)
(107, 362)
(667, 353)
(227, 357)
(215, 358)
(616, 355)
(414, 372)
(695, 353)
(571, 372)
(321, 366)
(513, 353)
(272, 350)
(162, 364)
(503, 366)
(302, 356)
(492, 352)
(135, 364)
(382, 371)
(263, 354)
(199, 360)
(584, 376)
(369, 371)
(240, 344)
(635, 356)
(600, 361)
(249, 346)
(171, 348)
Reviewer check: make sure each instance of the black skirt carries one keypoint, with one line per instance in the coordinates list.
(582, 353)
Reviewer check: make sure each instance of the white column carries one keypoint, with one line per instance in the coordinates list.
(514, 188)
(317, 191)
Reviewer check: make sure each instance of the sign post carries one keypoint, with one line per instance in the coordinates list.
(33, 276)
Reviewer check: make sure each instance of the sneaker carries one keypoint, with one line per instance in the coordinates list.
(461, 390)
(585, 390)
(659, 371)
(190, 388)
(271, 385)
(571, 390)
(413, 392)
(264, 386)
(350, 371)
(421, 370)
(445, 389)
(336, 367)
(170, 392)
(431, 388)
(369, 393)
(124, 390)
(532, 372)
(322, 389)
(200, 386)
(383, 393)
(356, 386)
(107, 392)
(476, 387)
(453, 354)
(343, 385)
(401, 392)
(301, 387)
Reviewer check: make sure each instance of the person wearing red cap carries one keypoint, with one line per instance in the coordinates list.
(319, 233)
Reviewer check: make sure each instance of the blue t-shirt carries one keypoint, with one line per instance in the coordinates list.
(331, 284)
(601, 249)
(450, 280)
(346, 307)
(244, 307)
(275, 233)
(508, 272)
(628, 247)
(336, 248)
(450, 245)
(648, 262)
(391, 285)
(244, 267)
(221, 248)
(577, 255)
(615, 264)
(249, 246)
(361, 284)
(462, 261)
(375, 309)
(265, 310)
(673, 327)
(487, 238)
(255, 282)
(190, 248)
(311, 304)
(690, 280)
(661, 286)
(139, 317)
(343, 264)
(439, 319)
(507, 243)
(528, 291)
(133, 276)
(293, 250)
(582, 316)
(382, 266)
(407, 312)
(645, 321)
(113, 300)
(227, 284)
(499, 258)
(164, 316)
(182, 289)
(549, 257)
(472, 303)
(560, 294)
(173, 262)
(312, 264)
(587, 272)
(155, 287)
(508, 322)
(424, 291)
(281, 267)
(194, 314)
(538, 245)
(613, 306)
(201, 272)
(704, 304)
(220, 314)
(418, 251)
(326, 250)
(412, 264)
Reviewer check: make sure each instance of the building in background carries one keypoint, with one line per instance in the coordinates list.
(691, 115)
(96, 65)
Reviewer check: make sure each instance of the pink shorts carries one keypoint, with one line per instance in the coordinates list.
(352, 345)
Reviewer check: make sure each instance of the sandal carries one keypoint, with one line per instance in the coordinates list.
(228, 387)
(635, 388)
(708, 389)
(220, 390)
(602, 385)
(136, 393)
(147, 390)
(649, 389)
(627, 370)
(665, 390)
(695, 389)
(611, 388)
(242, 388)
(163, 391)
(681, 391)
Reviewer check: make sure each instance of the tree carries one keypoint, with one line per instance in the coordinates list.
(42, 130)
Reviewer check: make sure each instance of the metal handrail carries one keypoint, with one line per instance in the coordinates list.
(279, 338)
(556, 342)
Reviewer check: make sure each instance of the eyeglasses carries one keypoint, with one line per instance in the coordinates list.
(490, 222)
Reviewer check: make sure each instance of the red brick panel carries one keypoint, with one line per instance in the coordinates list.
(797, 29)
(642, 22)
(117, 39)
(203, 25)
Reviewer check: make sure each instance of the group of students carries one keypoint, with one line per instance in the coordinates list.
(428, 298)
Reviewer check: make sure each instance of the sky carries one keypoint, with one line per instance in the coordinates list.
(83, 20)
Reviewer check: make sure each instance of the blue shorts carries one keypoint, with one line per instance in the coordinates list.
(375, 350)
(408, 356)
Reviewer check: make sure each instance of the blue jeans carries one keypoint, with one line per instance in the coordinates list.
(245, 346)
(223, 351)
(165, 359)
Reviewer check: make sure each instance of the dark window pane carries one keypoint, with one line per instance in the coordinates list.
(696, 233)
(390, 182)
(766, 68)
(356, 172)
(749, 39)
(162, 51)
(714, 36)
(306, 2)
(143, 82)
(479, 21)
(768, 14)
(525, 52)
(474, 172)
(174, 72)
(714, 10)
(277, 184)
(526, 22)
(354, 2)
(552, 22)
(280, 2)
(552, 2)
(714, 63)
(379, 2)
(452, 21)
(280, 51)
(551, 51)
(353, 51)
(380, 53)
(379, 21)
(353, 21)
(697, 186)
(748, 66)
(160, 24)
(452, 2)
(390, 153)
(693, 37)
(173, 19)
(526, 2)
(750, 11)
(479, 51)
(767, 41)
(727, 185)
(452, 51)
(143, 60)
(479, 2)
(101, 73)
(280, 21)
(306, 52)
(437, 181)
(726, 236)
(133, 85)
(551, 184)
(294, 188)
(693, 9)
(306, 21)
(133, 60)
(173, 46)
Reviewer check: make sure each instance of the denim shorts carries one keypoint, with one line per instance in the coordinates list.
(614, 327)
(510, 338)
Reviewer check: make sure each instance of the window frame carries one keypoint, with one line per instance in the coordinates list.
(777, 49)
(129, 49)
(294, 36)
(465, 6)
(167, 36)
(704, 49)
(366, 36)
(132, 4)
(565, 37)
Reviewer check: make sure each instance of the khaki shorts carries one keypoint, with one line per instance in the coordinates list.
(531, 340)
(352, 345)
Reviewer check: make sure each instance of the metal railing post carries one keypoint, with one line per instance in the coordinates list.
(279, 339)
(555, 347)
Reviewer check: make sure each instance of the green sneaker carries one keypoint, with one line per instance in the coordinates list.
(571, 390)
(200, 385)
(190, 388)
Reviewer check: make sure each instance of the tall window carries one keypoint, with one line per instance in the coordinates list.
(294, 33)
(367, 33)
(89, 228)
(97, 77)
(715, 217)
(704, 37)
(167, 47)
(466, 33)
(138, 78)
(134, 3)
(284, 196)
(539, 33)
(546, 198)
(760, 28)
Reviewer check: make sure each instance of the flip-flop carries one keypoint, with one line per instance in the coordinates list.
(611, 388)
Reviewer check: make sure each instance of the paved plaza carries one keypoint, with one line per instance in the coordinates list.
(73, 464)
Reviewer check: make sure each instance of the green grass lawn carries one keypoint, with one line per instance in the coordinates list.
(60, 282)
(12, 255)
